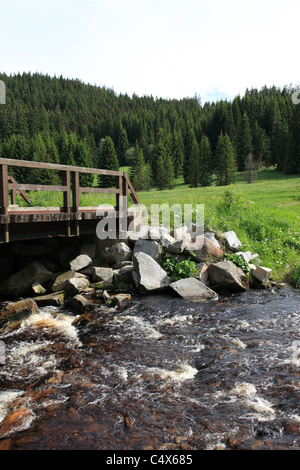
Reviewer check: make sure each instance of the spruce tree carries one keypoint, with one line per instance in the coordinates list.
(225, 161)
(205, 162)
(108, 160)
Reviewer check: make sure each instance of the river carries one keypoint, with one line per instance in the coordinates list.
(165, 373)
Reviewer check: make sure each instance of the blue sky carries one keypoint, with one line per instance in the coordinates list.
(164, 48)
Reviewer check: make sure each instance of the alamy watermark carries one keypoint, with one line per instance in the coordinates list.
(2, 92)
(296, 96)
(2, 353)
(139, 219)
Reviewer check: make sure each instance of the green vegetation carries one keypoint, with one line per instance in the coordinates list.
(177, 269)
(238, 261)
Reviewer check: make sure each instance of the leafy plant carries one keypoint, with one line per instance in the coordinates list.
(238, 261)
(178, 269)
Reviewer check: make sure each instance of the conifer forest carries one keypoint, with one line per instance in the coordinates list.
(58, 120)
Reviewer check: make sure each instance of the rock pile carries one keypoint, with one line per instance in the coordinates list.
(76, 275)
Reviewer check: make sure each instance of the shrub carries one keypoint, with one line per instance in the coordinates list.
(177, 270)
(238, 261)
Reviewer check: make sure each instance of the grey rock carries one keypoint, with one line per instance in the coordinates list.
(149, 247)
(80, 262)
(20, 283)
(62, 279)
(167, 239)
(204, 249)
(76, 285)
(123, 275)
(203, 274)
(150, 275)
(122, 264)
(212, 237)
(193, 289)
(262, 274)
(226, 276)
(232, 240)
(179, 245)
(117, 253)
(102, 274)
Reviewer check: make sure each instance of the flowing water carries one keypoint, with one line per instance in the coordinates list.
(163, 374)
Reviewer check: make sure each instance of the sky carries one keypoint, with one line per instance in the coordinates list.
(214, 49)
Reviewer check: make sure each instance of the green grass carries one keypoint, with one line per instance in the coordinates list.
(265, 215)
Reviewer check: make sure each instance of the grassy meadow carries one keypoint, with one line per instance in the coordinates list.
(265, 214)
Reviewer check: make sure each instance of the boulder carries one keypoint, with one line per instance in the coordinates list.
(202, 270)
(122, 264)
(120, 300)
(179, 245)
(55, 299)
(62, 280)
(18, 310)
(20, 283)
(102, 274)
(179, 232)
(150, 276)
(154, 234)
(150, 247)
(80, 262)
(262, 274)
(232, 240)
(193, 289)
(37, 288)
(226, 276)
(75, 285)
(80, 304)
(123, 275)
(117, 253)
(212, 237)
(204, 249)
(142, 233)
(166, 240)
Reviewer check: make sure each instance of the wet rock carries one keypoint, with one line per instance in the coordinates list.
(55, 299)
(120, 300)
(232, 240)
(80, 303)
(75, 285)
(149, 247)
(192, 289)
(117, 253)
(62, 279)
(20, 283)
(204, 249)
(37, 288)
(102, 274)
(80, 262)
(226, 276)
(149, 274)
(102, 285)
(18, 311)
(262, 274)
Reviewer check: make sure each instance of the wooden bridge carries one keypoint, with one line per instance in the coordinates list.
(28, 223)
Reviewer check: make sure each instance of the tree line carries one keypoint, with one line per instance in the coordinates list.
(52, 119)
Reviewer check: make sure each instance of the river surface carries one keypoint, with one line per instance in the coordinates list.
(165, 373)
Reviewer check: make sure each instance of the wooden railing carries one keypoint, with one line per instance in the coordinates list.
(70, 187)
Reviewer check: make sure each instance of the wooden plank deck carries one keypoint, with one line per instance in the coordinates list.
(23, 223)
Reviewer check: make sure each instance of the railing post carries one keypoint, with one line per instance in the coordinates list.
(67, 200)
(75, 199)
(4, 199)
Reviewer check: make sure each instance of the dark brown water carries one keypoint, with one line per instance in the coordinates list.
(163, 374)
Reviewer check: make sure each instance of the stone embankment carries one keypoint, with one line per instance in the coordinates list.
(82, 275)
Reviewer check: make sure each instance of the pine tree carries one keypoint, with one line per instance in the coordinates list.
(225, 159)
(250, 170)
(108, 160)
(177, 153)
(205, 162)
(140, 172)
(244, 141)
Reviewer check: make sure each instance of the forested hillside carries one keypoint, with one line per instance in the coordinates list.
(66, 121)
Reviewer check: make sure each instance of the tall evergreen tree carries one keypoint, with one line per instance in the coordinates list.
(108, 160)
(225, 161)
(205, 162)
